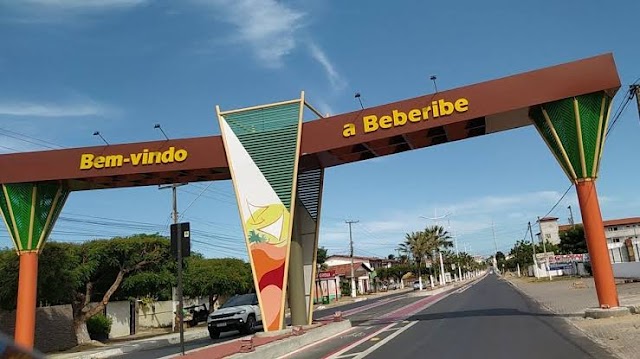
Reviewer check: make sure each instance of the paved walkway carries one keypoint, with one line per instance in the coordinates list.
(145, 341)
(570, 297)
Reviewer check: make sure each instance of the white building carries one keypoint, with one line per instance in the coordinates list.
(622, 236)
(549, 230)
(622, 239)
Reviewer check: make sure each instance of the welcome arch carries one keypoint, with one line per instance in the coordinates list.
(277, 163)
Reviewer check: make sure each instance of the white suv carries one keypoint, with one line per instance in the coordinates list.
(240, 312)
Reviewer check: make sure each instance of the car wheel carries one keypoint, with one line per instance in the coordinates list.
(214, 333)
(250, 325)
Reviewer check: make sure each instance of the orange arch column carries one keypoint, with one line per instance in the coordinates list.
(27, 293)
(597, 244)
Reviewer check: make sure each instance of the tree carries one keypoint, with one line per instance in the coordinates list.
(417, 244)
(391, 257)
(522, 254)
(57, 275)
(321, 257)
(500, 259)
(9, 267)
(216, 277)
(573, 241)
(395, 272)
(104, 264)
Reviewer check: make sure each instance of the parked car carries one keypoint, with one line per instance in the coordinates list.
(195, 314)
(416, 285)
(240, 312)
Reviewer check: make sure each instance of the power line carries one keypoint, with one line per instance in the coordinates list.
(558, 202)
(195, 199)
(8, 133)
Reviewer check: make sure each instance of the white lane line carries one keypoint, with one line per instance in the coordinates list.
(317, 342)
(356, 343)
(384, 341)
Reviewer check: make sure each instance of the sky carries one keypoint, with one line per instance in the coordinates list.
(72, 67)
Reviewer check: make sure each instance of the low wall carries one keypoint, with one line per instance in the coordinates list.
(54, 327)
(626, 270)
(160, 314)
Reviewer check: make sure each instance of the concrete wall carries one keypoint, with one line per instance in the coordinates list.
(120, 313)
(161, 314)
(155, 315)
(54, 327)
(626, 270)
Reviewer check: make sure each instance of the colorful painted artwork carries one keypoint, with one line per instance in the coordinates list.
(263, 173)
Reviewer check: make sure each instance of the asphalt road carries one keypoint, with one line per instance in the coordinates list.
(374, 305)
(490, 319)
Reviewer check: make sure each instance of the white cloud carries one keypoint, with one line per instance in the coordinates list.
(337, 82)
(52, 110)
(268, 26)
(324, 107)
(63, 11)
(494, 204)
(82, 5)
(471, 221)
(272, 30)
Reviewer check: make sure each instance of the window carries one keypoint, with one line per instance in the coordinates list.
(547, 236)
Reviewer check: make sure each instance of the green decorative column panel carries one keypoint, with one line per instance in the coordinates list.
(574, 129)
(30, 210)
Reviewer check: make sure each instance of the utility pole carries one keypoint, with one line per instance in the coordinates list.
(533, 245)
(455, 239)
(544, 248)
(495, 245)
(174, 191)
(353, 279)
(573, 224)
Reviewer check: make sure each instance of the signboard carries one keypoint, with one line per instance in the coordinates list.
(182, 232)
(544, 256)
(569, 258)
(144, 158)
(327, 274)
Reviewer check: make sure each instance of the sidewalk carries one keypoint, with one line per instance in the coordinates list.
(569, 297)
(121, 347)
(145, 342)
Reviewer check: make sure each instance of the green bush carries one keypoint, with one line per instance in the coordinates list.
(99, 327)
(345, 288)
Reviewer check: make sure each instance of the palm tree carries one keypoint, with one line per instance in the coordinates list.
(437, 239)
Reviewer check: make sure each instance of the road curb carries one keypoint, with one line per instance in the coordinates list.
(132, 347)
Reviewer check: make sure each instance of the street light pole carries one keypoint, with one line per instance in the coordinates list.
(435, 219)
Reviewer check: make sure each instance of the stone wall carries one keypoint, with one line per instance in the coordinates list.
(54, 327)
